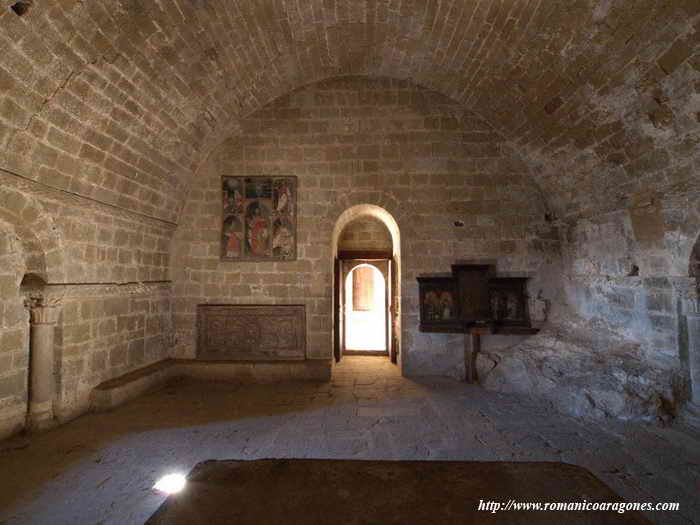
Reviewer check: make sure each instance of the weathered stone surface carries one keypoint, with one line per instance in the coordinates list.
(75, 110)
(365, 234)
(14, 332)
(521, 122)
(585, 369)
(438, 170)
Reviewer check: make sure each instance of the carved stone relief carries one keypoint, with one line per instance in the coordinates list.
(265, 333)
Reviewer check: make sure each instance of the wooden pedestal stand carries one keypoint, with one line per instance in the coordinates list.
(472, 347)
(474, 301)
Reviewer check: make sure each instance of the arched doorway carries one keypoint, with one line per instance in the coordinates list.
(366, 249)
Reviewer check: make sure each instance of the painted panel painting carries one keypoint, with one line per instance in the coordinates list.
(259, 218)
(439, 305)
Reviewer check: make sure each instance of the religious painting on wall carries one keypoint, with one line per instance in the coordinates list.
(439, 305)
(259, 218)
(509, 301)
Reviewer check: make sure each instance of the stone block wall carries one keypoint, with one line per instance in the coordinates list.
(107, 264)
(631, 272)
(625, 339)
(366, 233)
(104, 247)
(440, 171)
(120, 103)
(93, 159)
(106, 331)
(74, 116)
(107, 110)
(14, 331)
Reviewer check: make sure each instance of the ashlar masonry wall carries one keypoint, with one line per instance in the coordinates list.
(365, 234)
(14, 331)
(632, 270)
(440, 171)
(107, 267)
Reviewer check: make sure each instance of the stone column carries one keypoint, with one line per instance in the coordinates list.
(43, 317)
(689, 336)
(694, 355)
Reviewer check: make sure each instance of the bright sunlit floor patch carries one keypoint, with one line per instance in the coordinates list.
(170, 484)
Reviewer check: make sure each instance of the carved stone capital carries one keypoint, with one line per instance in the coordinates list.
(43, 310)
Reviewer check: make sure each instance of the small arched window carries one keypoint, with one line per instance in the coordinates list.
(363, 289)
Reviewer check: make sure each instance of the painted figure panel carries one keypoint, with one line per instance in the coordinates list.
(259, 218)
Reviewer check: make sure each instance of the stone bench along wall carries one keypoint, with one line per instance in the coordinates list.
(107, 331)
(88, 252)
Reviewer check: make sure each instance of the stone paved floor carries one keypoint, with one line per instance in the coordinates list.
(100, 468)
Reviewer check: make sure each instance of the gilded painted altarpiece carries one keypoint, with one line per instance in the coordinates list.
(259, 218)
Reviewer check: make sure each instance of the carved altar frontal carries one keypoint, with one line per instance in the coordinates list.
(251, 332)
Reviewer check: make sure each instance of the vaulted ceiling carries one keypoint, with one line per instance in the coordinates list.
(121, 100)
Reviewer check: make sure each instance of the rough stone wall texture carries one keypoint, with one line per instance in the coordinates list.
(101, 247)
(78, 114)
(71, 243)
(119, 101)
(366, 233)
(610, 277)
(113, 105)
(694, 269)
(627, 310)
(583, 368)
(13, 334)
(625, 338)
(364, 141)
(629, 129)
(632, 269)
(107, 331)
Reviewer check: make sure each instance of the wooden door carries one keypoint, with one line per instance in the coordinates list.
(339, 313)
(395, 311)
(388, 322)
